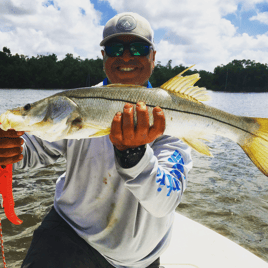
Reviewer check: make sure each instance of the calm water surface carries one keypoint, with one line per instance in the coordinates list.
(227, 193)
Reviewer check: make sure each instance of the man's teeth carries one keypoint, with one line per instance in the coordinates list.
(126, 69)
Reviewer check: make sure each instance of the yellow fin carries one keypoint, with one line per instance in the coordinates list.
(101, 133)
(179, 76)
(263, 129)
(194, 90)
(198, 145)
(257, 151)
(256, 147)
(183, 86)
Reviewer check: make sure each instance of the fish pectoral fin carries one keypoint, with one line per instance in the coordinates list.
(102, 132)
(198, 145)
(77, 122)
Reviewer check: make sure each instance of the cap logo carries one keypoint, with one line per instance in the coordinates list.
(126, 23)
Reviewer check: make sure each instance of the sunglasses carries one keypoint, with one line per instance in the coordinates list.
(135, 49)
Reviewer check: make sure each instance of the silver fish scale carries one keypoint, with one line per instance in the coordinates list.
(113, 99)
(151, 96)
(93, 102)
(96, 106)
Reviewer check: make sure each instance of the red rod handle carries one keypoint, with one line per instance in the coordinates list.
(7, 194)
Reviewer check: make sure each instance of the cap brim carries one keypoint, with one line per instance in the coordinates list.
(102, 43)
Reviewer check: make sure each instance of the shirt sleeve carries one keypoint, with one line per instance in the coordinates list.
(38, 152)
(160, 178)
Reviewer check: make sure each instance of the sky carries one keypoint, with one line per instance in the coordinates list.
(207, 33)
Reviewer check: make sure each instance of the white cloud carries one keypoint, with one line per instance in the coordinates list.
(261, 17)
(197, 32)
(40, 27)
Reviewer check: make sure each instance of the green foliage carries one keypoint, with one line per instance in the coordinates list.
(241, 76)
(19, 71)
(46, 72)
(236, 76)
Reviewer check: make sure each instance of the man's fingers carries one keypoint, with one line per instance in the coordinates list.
(10, 160)
(159, 125)
(10, 152)
(123, 133)
(128, 124)
(11, 133)
(116, 129)
(10, 146)
(142, 121)
(11, 142)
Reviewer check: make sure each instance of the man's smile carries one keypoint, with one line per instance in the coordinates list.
(125, 69)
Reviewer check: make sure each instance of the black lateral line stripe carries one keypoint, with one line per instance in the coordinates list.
(166, 108)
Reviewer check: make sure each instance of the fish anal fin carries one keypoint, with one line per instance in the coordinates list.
(198, 145)
(183, 86)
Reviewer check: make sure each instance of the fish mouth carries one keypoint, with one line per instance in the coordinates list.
(10, 120)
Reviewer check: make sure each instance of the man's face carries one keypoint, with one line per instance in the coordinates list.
(128, 69)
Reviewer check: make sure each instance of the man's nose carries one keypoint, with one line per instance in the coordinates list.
(127, 55)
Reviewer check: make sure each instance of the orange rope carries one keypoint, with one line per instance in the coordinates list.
(2, 245)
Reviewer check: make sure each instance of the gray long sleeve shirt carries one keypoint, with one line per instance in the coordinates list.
(125, 214)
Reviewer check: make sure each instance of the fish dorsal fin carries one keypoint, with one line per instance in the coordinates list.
(183, 86)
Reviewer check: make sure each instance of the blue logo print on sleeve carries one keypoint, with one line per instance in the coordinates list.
(177, 171)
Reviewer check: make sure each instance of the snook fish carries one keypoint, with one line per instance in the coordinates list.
(88, 112)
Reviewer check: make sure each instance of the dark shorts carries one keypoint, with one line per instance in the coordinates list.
(56, 245)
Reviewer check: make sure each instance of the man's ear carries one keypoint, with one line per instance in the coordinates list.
(153, 60)
(102, 52)
(154, 52)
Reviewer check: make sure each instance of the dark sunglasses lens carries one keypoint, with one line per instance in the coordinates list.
(139, 49)
(114, 50)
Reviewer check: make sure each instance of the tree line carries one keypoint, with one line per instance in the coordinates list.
(47, 72)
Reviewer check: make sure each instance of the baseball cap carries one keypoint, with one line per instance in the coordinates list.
(128, 23)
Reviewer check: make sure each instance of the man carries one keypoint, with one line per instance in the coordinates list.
(114, 205)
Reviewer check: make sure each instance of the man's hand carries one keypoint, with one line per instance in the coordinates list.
(124, 135)
(10, 146)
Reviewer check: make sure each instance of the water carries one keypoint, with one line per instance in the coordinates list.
(227, 193)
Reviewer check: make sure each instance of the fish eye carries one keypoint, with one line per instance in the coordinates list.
(27, 107)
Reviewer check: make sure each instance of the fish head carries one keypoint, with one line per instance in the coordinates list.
(48, 118)
(22, 118)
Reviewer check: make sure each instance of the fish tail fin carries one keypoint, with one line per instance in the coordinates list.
(256, 145)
